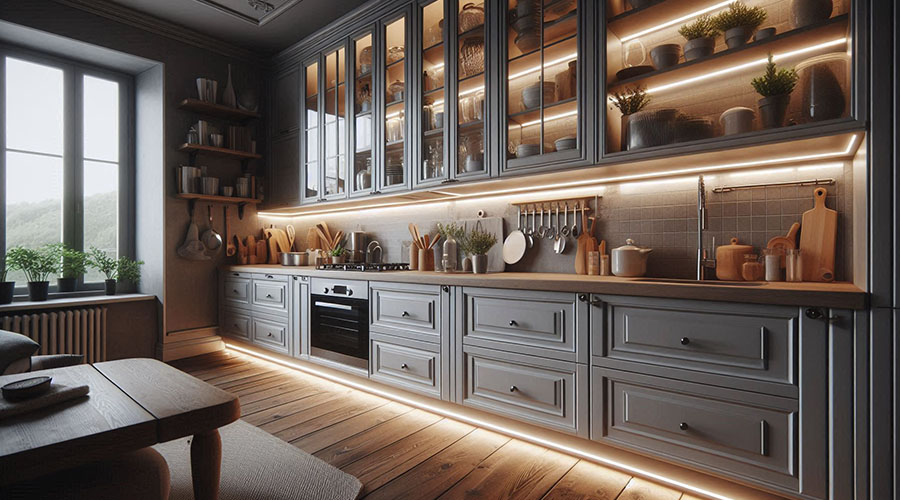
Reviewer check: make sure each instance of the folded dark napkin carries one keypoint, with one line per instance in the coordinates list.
(58, 393)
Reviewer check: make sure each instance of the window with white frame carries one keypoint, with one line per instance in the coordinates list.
(66, 162)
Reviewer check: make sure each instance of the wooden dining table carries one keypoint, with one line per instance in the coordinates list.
(132, 404)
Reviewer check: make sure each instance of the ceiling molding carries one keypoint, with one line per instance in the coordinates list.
(267, 17)
(152, 24)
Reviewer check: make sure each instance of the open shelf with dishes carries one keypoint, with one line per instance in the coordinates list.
(664, 91)
(471, 100)
(429, 166)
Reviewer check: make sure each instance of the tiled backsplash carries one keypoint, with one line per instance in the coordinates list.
(658, 214)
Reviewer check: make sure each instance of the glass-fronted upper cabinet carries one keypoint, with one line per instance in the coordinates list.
(433, 94)
(363, 124)
(335, 173)
(393, 172)
(470, 90)
(682, 72)
(311, 131)
(542, 80)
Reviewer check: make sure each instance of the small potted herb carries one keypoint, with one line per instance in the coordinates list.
(121, 269)
(775, 86)
(7, 288)
(738, 23)
(701, 38)
(631, 101)
(73, 265)
(37, 264)
(477, 244)
(337, 255)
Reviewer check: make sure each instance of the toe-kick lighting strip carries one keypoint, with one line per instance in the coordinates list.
(450, 196)
(676, 21)
(486, 425)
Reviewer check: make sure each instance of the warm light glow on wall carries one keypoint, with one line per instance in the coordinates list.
(677, 20)
(550, 119)
(547, 443)
(535, 69)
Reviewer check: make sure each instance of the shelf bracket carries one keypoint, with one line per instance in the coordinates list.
(240, 210)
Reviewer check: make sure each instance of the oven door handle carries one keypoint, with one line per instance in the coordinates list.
(333, 305)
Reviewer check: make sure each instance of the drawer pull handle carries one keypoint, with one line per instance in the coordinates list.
(235, 325)
(512, 322)
(234, 290)
(513, 388)
(270, 334)
(685, 341)
(405, 314)
(268, 295)
(404, 367)
(269, 276)
(683, 426)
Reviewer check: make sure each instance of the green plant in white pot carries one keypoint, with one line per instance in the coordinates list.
(701, 38)
(738, 22)
(7, 288)
(37, 264)
(775, 86)
(115, 270)
(477, 244)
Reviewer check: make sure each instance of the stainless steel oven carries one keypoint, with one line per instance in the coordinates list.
(339, 321)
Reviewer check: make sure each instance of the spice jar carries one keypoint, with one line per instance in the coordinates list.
(773, 263)
(752, 270)
(793, 265)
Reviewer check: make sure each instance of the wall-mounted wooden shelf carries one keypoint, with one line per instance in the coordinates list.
(218, 199)
(223, 152)
(218, 110)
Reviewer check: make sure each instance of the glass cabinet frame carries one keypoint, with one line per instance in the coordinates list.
(310, 154)
(357, 133)
(406, 128)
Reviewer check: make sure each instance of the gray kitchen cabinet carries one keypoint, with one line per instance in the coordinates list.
(547, 392)
(729, 431)
(408, 364)
(236, 290)
(284, 171)
(261, 312)
(270, 293)
(406, 310)
(236, 322)
(271, 332)
(286, 102)
(538, 323)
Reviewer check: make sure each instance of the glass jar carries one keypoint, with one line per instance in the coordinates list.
(450, 260)
(772, 259)
(471, 56)
(470, 17)
(793, 265)
(753, 269)
(823, 86)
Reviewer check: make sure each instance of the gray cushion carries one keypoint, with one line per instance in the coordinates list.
(13, 347)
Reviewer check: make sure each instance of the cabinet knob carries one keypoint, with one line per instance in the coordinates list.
(582, 297)
(270, 334)
(349, 292)
(268, 295)
(326, 289)
(445, 288)
(512, 322)
(405, 314)
(234, 290)
(403, 366)
(513, 388)
(685, 341)
(683, 426)
(269, 276)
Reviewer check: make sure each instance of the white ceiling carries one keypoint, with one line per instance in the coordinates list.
(274, 26)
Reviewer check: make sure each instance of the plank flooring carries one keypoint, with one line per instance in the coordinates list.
(399, 452)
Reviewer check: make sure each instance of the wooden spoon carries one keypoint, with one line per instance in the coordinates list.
(292, 236)
(323, 239)
(337, 239)
(434, 240)
(414, 234)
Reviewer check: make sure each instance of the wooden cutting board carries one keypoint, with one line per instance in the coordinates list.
(817, 239)
(312, 239)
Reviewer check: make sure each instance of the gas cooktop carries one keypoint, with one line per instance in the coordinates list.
(361, 266)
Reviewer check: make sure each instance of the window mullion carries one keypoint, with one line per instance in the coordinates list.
(3, 151)
(73, 213)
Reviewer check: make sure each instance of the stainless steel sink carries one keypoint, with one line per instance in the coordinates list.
(696, 282)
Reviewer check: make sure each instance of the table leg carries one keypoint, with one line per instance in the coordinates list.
(206, 462)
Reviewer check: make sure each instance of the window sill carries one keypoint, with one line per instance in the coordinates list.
(87, 300)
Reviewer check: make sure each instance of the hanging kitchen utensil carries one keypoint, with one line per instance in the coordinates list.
(541, 229)
(292, 236)
(817, 240)
(192, 249)
(565, 227)
(515, 244)
(551, 231)
(211, 239)
(559, 244)
(529, 231)
(230, 249)
(574, 229)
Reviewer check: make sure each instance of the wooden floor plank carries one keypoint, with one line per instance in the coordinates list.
(641, 489)
(257, 380)
(239, 375)
(276, 413)
(267, 390)
(517, 471)
(349, 408)
(338, 402)
(436, 475)
(327, 436)
(249, 407)
(587, 480)
(358, 446)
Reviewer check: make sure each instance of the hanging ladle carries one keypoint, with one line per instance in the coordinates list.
(565, 227)
(529, 231)
(559, 246)
(574, 230)
(211, 238)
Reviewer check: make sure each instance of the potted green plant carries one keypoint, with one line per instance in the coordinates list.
(121, 269)
(37, 264)
(477, 244)
(775, 86)
(7, 288)
(337, 255)
(73, 265)
(738, 22)
(701, 38)
(632, 100)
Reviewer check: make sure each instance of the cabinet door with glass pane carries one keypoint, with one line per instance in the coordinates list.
(393, 171)
(470, 85)
(363, 168)
(432, 132)
(310, 128)
(546, 108)
(335, 124)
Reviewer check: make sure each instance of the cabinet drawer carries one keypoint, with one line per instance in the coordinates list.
(271, 333)
(551, 324)
(755, 342)
(236, 291)
(739, 432)
(270, 295)
(278, 278)
(236, 323)
(547, 392)
(406, 366)
(406, 308)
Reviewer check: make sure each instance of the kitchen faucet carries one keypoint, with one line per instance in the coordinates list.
(703, 263)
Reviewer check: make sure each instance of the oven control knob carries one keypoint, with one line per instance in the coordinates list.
(326, 289)
(349, 292)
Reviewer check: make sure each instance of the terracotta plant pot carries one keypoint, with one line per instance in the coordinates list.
(807, 12)
(38, 290)
(772, 110)
(110, 287)
(737, 37)
(7, 288)
(479, 264)
(65, 284)
(699, 47)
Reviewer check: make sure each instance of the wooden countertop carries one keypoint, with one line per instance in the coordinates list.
(837, 295)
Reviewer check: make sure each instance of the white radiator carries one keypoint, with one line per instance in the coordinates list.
(68, 331)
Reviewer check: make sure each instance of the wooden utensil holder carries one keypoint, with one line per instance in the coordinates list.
(426, 260)
(413, 258)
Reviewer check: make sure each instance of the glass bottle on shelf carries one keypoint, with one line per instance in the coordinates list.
(394, 174)
(542, 64)
(363, 130)
(335, 174)
(470, 92)
(433, 95)
(311, 126)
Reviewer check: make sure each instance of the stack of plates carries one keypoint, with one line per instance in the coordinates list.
(531, 95)
(563, 143)
(524, 150)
